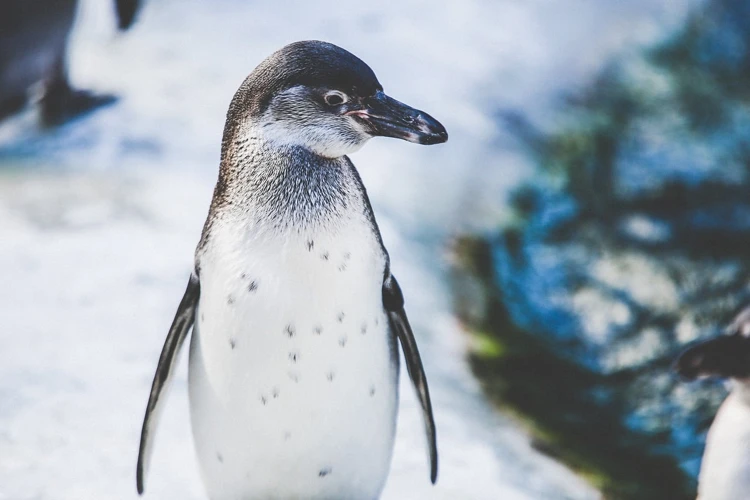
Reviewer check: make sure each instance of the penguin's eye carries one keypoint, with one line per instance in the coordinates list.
(334, 98)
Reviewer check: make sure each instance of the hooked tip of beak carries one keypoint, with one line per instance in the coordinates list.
(434, 133)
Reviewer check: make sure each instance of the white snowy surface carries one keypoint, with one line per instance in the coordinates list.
(99, 219)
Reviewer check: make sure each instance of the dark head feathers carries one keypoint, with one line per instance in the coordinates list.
(311, 63)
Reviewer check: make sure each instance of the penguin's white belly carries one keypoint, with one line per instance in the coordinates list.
(293, 375)
(725, 470)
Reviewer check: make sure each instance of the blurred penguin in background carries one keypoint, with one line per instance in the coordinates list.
(33, 50)
(725, 469)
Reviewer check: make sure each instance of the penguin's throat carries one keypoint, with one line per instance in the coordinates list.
(286, 186)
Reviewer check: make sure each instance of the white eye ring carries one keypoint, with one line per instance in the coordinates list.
(335, 98)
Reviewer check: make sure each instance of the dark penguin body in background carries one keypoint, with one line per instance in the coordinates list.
(293, 371)
(33, 49)
(725, 467)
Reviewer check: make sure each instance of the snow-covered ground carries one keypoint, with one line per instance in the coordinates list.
(98, 221)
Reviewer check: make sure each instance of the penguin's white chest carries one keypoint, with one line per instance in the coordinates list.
(293, 372)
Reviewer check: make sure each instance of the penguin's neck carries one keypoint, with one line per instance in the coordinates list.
(284, 185)
(273, 192)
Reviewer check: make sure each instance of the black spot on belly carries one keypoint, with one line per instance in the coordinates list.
(275, 392)
(220, 458)
(343, 340)
(342, 267)
(232, 343)
(263, 400)
(363, 329)
(294, 376)
(340, 317)
(310, 245)
(330, 376)
(347, 256)
(324, 256)
(243, 276)
(377, 321)
(230, 299)
(372, 390)
(290, 331)
(293, 356)
(252, 287)
(324, 471)
(318, 330)
(203, 317)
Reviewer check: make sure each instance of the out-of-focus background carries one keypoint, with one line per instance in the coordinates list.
(588, 218)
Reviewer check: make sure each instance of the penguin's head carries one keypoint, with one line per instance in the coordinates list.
(319, 96)
(726, 356)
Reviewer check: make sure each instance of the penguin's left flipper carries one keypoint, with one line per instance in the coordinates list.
(393, 301)
(178, 332)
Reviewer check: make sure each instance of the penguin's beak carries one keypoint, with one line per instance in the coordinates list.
(387, 117)
(725, 356)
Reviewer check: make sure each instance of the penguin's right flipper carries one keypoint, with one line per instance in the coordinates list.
(178, 332)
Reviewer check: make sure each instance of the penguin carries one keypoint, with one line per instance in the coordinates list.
(33, 49)
(725, 467)
(296, 317)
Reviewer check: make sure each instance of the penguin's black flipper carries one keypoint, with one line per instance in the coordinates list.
(393, 300)
(178, 332)
(126, 11)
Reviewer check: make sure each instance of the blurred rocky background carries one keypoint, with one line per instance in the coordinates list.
(632, 240)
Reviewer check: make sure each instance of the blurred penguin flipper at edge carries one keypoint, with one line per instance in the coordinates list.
(33, 49)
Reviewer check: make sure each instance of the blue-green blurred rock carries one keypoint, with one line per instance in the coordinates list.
(633, 243)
